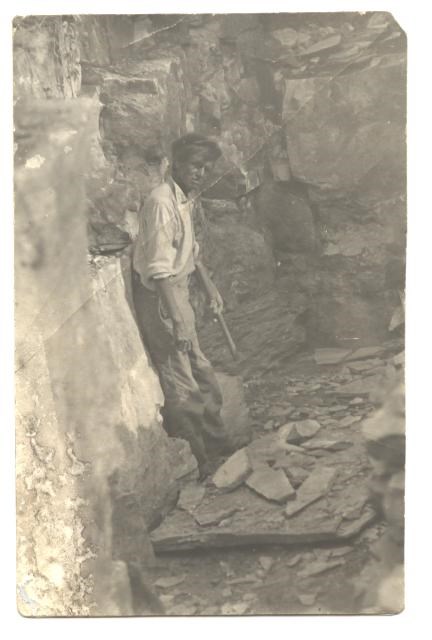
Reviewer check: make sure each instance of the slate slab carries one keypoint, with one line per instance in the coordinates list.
(299, 431)
(316, 486)
(191, 496)
(234, 471)
(364, 386)
(328, 444)
(263, 522)
(364, 353)
(270, 484)
(330, 356)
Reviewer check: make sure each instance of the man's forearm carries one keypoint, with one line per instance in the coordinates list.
(165, 290)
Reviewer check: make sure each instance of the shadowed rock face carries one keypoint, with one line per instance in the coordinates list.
(310, 116)
(89, 438)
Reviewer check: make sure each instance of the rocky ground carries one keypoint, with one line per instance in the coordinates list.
(237, 550)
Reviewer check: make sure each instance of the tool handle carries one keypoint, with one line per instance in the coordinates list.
(208, 287)
(228, 336)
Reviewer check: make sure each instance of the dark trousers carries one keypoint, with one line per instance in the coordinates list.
(193, 398)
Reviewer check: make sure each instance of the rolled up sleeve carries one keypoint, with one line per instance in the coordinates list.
(160, 229)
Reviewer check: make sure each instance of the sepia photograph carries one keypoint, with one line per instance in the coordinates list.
(210, 255)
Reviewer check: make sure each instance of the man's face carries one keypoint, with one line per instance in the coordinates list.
(193, 174)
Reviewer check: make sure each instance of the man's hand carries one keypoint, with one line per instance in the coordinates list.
(216, 302)
(182, 338)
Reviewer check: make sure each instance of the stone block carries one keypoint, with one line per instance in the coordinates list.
(272, 485)
(314, 488)
(234, 471)
(298, 432)
(296, 475)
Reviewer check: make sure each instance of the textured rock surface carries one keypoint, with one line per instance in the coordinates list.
(93, 464)
(47, 57)
(272, 485)
(311, 120)
(232, 473)
(382, 581)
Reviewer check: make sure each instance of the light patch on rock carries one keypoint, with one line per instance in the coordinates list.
(35, 162)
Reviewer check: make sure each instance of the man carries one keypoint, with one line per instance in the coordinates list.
(163, 261)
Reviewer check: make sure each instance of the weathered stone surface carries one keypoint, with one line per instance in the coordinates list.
(262, 522)
(235, 412)
(190, 497)
(183, 462)
(90, 446)
(272, 485)
(316, 486)
(239, 258)
(324, 154)
(330, 356)
(328, 444)
(365, 386)
(144, 107)
(365, 353)
(207, 517)
(46, 57)
(364, 365)
(296, 475)
(298, 432)
(348, 421)
(285, 211)
(234, 471)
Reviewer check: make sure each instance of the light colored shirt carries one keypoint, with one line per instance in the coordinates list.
(165, 245)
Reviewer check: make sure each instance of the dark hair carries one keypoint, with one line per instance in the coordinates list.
(192, 143)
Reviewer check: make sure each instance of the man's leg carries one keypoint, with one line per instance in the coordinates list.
(184, 407)
(214, 431)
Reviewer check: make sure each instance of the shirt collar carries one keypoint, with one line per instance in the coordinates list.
(178, 192)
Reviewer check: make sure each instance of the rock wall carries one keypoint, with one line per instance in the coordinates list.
(94, 466)
(309, 110)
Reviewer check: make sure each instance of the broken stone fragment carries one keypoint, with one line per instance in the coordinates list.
(234, 471)
(317, 485)
(323, 45)
(272, 485)
(365, 365)
(289, 460)
(296, 475)
(330, 356)
(362, 387)
(184, 462)
(364, 353)
(349, 420)
(190, 497)
(265, 449)
(296, 432)
(208, 518)
(328, 445)
(341, 551)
